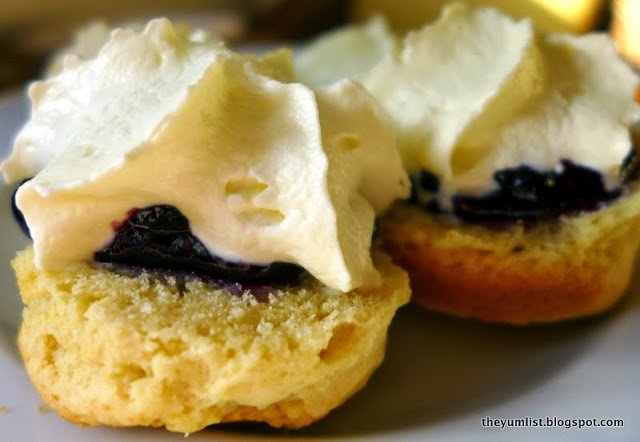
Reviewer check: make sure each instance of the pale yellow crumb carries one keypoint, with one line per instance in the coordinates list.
(187, 357)
(3, 409)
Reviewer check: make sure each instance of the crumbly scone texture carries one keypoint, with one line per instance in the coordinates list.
(104, 348)
(572, 267)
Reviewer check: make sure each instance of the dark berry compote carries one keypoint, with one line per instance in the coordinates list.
(159, 237)
(526, 194)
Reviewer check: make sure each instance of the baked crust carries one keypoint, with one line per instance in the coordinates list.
(104, 348)
(572, 267)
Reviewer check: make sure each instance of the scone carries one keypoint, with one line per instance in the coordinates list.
(523, 165)
(575, 266)
(525, 206)
(105, 348)
(202, 236)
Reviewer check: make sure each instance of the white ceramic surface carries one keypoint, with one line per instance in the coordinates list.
(440, 378)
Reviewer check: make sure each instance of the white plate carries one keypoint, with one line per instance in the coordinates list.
(440, 379)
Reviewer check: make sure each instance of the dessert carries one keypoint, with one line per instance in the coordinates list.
(521, 152)
(202, 232)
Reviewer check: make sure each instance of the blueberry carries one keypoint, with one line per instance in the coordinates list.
(526, 194)
(158, 237)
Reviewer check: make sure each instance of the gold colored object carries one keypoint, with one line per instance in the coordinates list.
(625, 29)
(547, 15)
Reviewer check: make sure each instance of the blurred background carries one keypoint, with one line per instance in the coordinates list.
(31, 29)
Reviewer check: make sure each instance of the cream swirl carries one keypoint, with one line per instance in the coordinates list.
(264, 170)
(87, 41)
(477, 92)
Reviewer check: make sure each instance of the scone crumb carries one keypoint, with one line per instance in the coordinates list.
(207, 357)
(249, 298)
(3, 409)
(146, 308)
(236, 313)
(42, 409)
(264, 327)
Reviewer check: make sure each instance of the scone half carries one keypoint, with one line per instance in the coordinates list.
(567, 268)
(161, 350)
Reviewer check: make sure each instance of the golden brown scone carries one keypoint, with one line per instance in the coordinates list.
(104, 348)
(576, 266)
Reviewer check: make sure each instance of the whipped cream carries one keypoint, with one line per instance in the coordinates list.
(265, 170)
(345, 53)
(476, 92)
(87, 41)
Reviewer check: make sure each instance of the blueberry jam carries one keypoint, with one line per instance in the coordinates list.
(527, 194)
(158, 237)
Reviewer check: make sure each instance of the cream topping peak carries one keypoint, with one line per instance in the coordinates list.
(477, 92)
(263, 169)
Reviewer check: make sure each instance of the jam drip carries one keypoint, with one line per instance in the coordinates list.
(159, 237)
